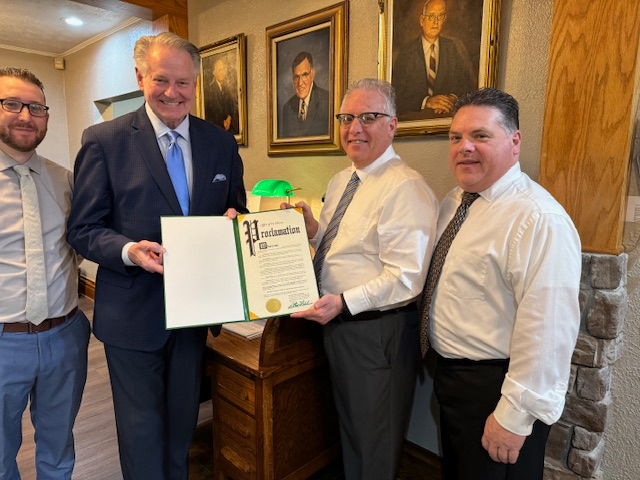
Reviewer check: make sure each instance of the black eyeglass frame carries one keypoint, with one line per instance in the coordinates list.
(22, 105)
(342, 118)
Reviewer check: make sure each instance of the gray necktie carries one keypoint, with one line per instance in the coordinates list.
(334, 224)
(37, 309)
(437, 261)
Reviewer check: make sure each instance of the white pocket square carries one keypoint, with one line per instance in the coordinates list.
(220, 177)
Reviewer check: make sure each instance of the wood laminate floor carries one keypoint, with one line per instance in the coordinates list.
(95, 430)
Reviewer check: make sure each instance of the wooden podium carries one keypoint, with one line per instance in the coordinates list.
(273, 411)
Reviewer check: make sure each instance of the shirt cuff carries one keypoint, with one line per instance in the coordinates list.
(356, 300)
(125, 255)
(520, 423)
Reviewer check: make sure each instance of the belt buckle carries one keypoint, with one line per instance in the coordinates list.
(30, 328)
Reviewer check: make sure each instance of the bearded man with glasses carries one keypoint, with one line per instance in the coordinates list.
(373, 245)
(43, 335)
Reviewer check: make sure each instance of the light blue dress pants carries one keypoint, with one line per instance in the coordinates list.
(49, 370)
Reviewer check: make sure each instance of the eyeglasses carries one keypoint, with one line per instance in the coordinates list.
(14, 106)
(302, 76)
(432, 17)
(366, 119)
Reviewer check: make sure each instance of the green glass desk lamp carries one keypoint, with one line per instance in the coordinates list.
(273, 188)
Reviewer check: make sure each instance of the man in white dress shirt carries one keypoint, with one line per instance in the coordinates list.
(370, 276)
(504, 317)
(43, 335)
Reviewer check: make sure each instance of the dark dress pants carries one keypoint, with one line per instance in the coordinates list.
(373, 366)
(468, 393)
(156, 398)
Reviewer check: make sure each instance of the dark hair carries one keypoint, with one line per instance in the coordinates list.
(22, 74)
(301, 58)
(166, 39)
(491, 97)
(382, 87)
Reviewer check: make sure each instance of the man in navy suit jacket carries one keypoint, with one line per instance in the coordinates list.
(452, 74)
(122, 189)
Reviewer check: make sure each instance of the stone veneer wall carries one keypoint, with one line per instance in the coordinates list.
(576, 442)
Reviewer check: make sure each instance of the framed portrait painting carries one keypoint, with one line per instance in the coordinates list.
(306, 72)
(432, 52)
(223, 86)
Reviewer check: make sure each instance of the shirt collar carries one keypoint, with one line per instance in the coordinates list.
(34, 162)
(426, 45)
(387, 155)
(499, 185)
(161, 129)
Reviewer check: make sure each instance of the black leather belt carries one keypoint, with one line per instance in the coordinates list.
(28, 327)
(374, 314)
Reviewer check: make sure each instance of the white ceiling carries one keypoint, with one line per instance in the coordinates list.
(37, 26)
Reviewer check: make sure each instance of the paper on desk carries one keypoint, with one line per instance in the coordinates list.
(248, 330)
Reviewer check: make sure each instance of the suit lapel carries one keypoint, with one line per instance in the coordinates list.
(313, 104)
(144, 137)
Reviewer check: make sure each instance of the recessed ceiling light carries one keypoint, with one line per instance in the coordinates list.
(76, 22)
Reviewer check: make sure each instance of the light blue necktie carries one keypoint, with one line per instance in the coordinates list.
(334, 224)
(175, 166)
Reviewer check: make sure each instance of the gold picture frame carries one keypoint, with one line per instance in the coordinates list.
(317, 44)
(468, 32)
(223, 86)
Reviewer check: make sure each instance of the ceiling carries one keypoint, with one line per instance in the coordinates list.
(37, 26)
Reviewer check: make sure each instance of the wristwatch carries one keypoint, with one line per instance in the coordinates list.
(345, 308)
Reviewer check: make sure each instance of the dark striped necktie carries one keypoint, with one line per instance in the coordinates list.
(437, 261)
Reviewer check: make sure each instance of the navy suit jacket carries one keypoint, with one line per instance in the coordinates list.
(409, 76)
(122, 188)
(317, 121)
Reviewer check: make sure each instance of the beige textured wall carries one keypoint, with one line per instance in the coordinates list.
(55, 145)
(621, 460)
(101, 70)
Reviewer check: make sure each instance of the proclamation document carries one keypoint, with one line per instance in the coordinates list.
(218, 270)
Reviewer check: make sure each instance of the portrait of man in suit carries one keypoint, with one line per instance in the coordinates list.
(129, 172)
(433, 70)
(306, 113)
(221, 98)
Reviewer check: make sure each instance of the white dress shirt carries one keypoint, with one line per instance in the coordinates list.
(509, 289)
(161, 131)
(380, 256)
(54, 185)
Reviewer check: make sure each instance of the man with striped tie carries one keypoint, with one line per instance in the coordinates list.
(373, 243)
(432, 71)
